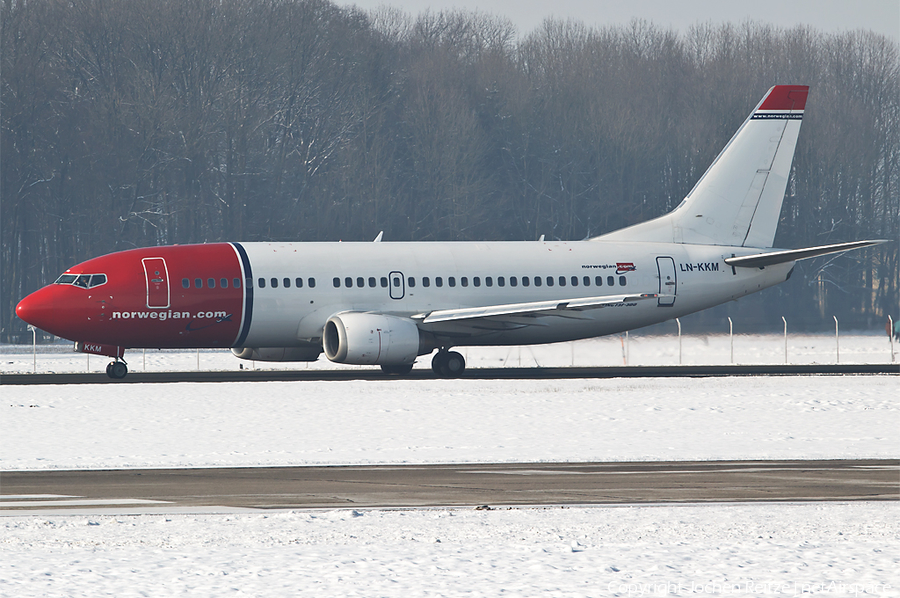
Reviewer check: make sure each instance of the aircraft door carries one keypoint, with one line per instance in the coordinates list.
(397, 285)
(157, 276)
(667, 281)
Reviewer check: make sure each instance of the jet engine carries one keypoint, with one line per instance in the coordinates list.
(277, 353)
(370, 339)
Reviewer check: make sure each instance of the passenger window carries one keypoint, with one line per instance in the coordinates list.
(598, 280)
(513, 281)
(562, 281)
(223, 282)
(185, 283)
(360, 281)
(622, 281)
(311, 282)
(549, 281)
(298, 282)
(451, 281)
(610, 281)
(396, 281)
(525, 281)
(438, 281)
(372, 282)
(464, 281)
(348, 282)
(587, 281)
(274, 283)
(261, 283)
(476, 281)
(211, 283)
(488, 281)
(501, 282)
(198, 283)
(537, 281)
(574, 281)
(337, 282)
(384, 282)
(426, 282)
(236, 283)
(286, 282)
(411, 281)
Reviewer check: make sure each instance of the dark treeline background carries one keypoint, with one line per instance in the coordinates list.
(144, 122)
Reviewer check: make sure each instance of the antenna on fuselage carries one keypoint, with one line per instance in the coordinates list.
(378, 238)
(541, 239)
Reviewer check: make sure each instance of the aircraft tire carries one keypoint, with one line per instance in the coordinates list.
(437, 363)
(453, 364)
(397, 370)
(117, 370)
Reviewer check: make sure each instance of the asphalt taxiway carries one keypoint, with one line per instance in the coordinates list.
(493, 484)
(538, 373)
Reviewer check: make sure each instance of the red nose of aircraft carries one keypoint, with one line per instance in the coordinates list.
(41, 311)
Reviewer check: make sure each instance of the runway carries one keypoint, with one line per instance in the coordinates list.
(492, 485)
(537, 373)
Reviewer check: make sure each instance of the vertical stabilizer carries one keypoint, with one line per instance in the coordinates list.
(737, 202)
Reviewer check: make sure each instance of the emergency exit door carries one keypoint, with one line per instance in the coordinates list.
(398, 288)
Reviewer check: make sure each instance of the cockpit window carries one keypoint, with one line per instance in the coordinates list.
(66, 279)
(85, 281)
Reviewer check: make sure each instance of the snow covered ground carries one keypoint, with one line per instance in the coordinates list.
(448, 421)
(636, 349)
(833, 549)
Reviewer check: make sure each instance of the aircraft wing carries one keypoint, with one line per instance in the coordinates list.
(792, 255)
(518, 315)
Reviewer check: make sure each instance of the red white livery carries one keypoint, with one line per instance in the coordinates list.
(388, 303)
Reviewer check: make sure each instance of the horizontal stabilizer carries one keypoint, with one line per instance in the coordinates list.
(532, 308)
(792, 255)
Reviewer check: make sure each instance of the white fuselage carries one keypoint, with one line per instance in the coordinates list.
(394, 276)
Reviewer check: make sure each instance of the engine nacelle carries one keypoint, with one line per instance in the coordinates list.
(370, 339)
(278, 353)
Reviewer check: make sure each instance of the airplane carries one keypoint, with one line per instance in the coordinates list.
(388, 303)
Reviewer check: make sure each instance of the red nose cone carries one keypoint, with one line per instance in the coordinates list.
(26, 309)
(39, 310)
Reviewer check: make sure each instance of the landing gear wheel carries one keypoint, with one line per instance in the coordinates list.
(448, 364)
(454, 365)
(117, 370)
(437, 363)
(397, 370)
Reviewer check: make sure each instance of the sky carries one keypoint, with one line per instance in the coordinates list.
(881, 16)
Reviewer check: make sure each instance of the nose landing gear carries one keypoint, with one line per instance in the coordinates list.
(448, 364)
(117, 369)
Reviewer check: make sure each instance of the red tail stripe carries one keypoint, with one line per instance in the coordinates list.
(786, 97)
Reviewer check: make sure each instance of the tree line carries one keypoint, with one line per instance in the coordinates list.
(129, 124)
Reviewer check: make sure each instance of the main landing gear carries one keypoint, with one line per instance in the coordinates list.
(448, 364)
(117, 369)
